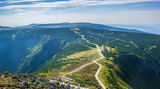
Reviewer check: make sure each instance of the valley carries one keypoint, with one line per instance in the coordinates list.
(79, 44)
(74, 56)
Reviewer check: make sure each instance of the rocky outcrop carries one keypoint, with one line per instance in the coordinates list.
(25, 81)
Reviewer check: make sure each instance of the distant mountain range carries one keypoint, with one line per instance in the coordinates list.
(4, 28)
(53, 50)
(151, 28)
(26, 26)
(79, 25)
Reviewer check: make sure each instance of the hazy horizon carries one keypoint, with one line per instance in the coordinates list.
(24, 12)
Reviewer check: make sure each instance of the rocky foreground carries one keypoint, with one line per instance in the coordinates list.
(26, 81)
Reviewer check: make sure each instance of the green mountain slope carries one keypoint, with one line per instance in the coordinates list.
(25, 50)
(133, 65)
(132, 59)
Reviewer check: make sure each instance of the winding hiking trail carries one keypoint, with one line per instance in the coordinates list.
(95, 61)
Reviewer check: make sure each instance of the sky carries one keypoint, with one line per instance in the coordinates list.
(24, 12)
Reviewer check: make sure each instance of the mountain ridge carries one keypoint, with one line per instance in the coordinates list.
(57, 51)
(79, 25)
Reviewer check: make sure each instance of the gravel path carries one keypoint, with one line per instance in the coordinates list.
(95, 61)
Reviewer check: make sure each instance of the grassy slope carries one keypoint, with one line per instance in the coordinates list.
(69, 62)
(131, 55)
(72, 56)
(57, 60)
(86, 75)
(135, 65)
(132, 66)
(137, 43)
(28, 49)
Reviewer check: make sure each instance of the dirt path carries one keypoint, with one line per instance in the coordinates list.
(99, 50)
(81, 67)
(95, 61)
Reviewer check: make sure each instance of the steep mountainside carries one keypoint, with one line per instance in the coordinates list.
(25, 50)
(134, 64)
(132, 60)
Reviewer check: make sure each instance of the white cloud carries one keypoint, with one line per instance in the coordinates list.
(70, 3)
(130, 17)
(18, 1)
(40, 12)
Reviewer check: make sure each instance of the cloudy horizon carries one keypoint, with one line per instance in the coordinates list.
(24, 12)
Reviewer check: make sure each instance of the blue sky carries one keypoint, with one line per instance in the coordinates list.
(24, 12)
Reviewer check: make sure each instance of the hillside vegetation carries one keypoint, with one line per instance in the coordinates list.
(133, 65)
(132, 60)
(26, 50)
